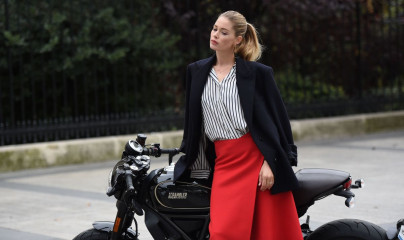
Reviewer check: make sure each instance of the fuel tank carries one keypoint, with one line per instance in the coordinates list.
(170, 196)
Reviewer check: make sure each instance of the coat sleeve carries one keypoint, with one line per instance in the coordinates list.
(281, 118)
(186, 115)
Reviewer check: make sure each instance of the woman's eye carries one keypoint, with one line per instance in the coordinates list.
(214, 29)
(224, 33)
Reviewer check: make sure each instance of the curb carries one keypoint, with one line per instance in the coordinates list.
(347, 126)
(39, 155)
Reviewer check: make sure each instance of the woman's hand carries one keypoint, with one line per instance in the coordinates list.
(266, 177)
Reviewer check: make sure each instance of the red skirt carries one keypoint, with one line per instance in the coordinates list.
(239, 210)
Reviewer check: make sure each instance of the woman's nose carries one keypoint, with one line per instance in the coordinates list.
(215, 35)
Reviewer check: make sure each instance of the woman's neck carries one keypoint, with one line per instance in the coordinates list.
(224, 58)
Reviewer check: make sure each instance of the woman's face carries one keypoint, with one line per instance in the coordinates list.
(223, 36)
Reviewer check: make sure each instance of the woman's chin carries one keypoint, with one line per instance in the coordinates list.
(215, 47)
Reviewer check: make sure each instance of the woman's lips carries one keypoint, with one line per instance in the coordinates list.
(213, 42)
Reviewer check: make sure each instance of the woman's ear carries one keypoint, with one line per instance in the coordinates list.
(238, 40)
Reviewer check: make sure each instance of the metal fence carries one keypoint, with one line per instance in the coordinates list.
(342, 74)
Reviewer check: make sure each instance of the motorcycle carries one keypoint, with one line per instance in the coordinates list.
(180, 210)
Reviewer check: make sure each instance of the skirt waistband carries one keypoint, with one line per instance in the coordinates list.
(244, 138)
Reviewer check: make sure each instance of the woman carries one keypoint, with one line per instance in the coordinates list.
(236, 127)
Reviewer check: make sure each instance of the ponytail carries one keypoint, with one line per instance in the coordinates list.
(249, 49)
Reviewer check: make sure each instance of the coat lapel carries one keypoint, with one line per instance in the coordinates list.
(246, 85)
(201, 76)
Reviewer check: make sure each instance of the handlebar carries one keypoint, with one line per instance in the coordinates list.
(170, 151)
(156, 151)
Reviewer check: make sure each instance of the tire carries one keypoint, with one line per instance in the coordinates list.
(92, 234)
(348, 229)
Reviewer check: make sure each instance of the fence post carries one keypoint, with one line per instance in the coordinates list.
(358, 50)
(10, 68)
(1, 104)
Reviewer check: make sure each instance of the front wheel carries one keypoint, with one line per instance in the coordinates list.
(348, 229)
(92, 234)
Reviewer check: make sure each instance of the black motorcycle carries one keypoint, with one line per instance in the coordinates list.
(180, 210)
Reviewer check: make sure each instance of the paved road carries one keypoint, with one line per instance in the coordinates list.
(60, 202)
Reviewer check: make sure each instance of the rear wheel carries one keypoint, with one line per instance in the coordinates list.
(348, 229)
(92, 234)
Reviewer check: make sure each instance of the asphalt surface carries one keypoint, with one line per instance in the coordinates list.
(60, 202)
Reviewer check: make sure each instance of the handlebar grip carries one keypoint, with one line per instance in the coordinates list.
(148, 151)
(129, 182)
(170, 151)
(153, 151)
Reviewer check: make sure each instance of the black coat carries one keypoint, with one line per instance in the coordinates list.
(264, 112)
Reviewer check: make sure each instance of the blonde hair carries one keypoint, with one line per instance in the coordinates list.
(249, 48)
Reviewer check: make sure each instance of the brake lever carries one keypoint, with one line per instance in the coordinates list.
(111, 191)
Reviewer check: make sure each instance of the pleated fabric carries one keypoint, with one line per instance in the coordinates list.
(238, 209)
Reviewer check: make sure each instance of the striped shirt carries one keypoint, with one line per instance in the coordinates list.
(223, 117)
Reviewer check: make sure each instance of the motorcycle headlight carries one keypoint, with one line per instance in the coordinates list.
(110, 178)
(113, 175)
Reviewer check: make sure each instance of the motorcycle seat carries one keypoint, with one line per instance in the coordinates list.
(317, 183)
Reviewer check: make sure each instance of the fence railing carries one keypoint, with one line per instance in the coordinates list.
(69, 128)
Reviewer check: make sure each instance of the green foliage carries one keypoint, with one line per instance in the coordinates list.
(12, 40)
(114, 54)
(394, 89)
(296, 89)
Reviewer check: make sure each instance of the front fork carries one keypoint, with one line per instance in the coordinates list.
(123, 221)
